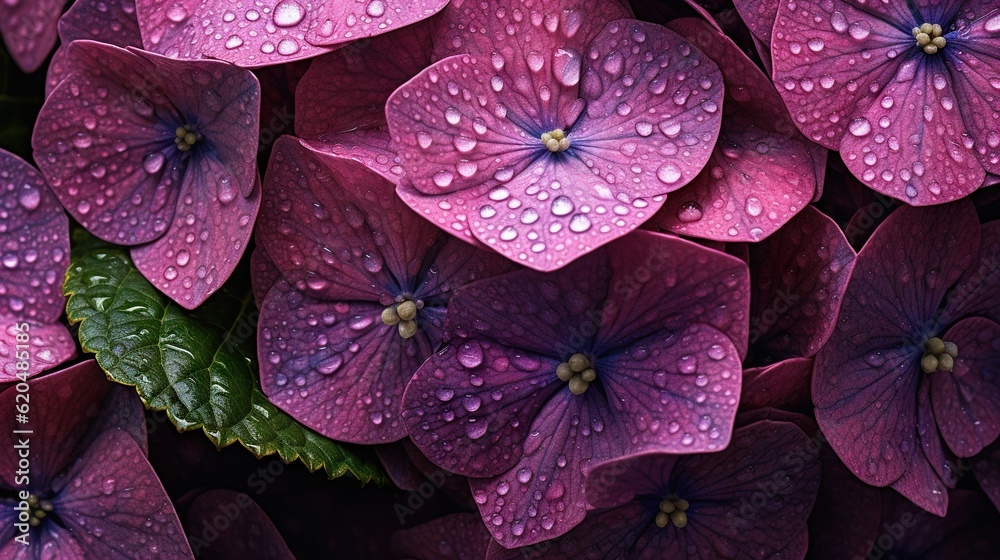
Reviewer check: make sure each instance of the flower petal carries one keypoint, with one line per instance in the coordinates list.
(976, 292)
(369, 147)
(459, 536)
(967, 399)
(920, 483)
(49, 344)
(263, 274)
(819, 65)
(95, 20)
(29, 30)
(836, 531)
(986, 468)
(762, 170)
(250, 535)
(783, 385)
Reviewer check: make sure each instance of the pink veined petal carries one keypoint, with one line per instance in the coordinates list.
(267, 32)
(29, 30)
(912, 144)
(783, 385)
(49, 344)
(429, 207)
(821, 68)
(762, 170)
(348, 88)
(759, 16)
(107, 514)
(967, 399)
(368, 147)
(211, 228)
(975, 78)
(921, 482)
(336, 367)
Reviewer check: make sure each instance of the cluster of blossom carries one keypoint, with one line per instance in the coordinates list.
(587, 257)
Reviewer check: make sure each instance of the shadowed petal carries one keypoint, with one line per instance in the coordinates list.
(759, 16)
(783, 385)
(825, 88)
(369, 147)
(922, 482)
(335, 366)
(348, 88)
(986, 468)
(109, 496)
(250, 535)
(29, 30)
(836, 532)
(270, 31)
(761, 172)
(976, 292)
(967, 399)
(459, 536)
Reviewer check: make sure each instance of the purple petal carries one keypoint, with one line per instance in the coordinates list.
(759, 16)
(348, 88)
(836, 532)
(429, 207)
(888, 311)
(250, 535)
(202, 247)
(761, 172)
(826, 88)
(906, 155)
(799, 276)
(921, 482)
(369, 147)
(62, 406)
(397, 464)
(976, 76)
(335, 366)
(263, 274)
(986, 468)
(270, 31)
(29, 30)
(109, 497)
(97, 20)
(459, 536)
(49, 345)
(967, 400)
(782, 385)
(976, 292)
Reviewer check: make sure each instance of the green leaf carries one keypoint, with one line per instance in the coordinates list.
(199, 366)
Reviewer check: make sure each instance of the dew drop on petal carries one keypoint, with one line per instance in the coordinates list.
(288, 13)
(562, 206)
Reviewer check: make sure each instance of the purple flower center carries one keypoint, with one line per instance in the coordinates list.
(672, 510)
(578, 372)
(555, 141)
(186, 137)
(938, 355)
(403, 314)
(38, 509)
(930, 37)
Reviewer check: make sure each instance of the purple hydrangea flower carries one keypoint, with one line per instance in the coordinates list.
(158, 154)
(762, 171)
(560, 128)
(28, 28)
(96, 20)
(90, 492)
(907, 91)
(34, 256)
(633, 348)
(909, 377)
(362, 296)
(750, 500)
(266, 32)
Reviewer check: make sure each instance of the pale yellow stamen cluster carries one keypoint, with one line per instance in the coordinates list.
(673, 510)
(555, 141)
(37, 509)
(578, 372)
(930, 37)
(938, 355)
(403, 314)
(186, 137)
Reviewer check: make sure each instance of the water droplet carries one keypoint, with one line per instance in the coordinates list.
(153, 162)
(444, 395)
(476, 430)
(524, 475)
(668, 173)
(288, 46)
(234, 42)
(579, 223)
(562, 206)
(487, 211)
(29, 198)
(839, 22)
(754, 206)
(288, 13)
(177, 13)
(375, 8)
(860, 127)
(443, 178)
(470, 355)
(690, 211)
(508, 234)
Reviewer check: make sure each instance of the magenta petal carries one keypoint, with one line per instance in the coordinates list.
(429, 207)
(368, 147)
(118, 495)
(270, 31)
(29, 30)
(798, 276)
(348, 88)
(967, 400)
(251, 534)
(459, 536)
(976, 292)
(986, 468)
(784, 385)
(49, 345)
(759, 16)
(762, 170)
(921, 482)
(96, 20)
(263, 274)
(908, 156)
(975, 90)
(204, 244)
(825, 89)
(323, 362)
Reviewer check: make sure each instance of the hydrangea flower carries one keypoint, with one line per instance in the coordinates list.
(909, 378)
(89, 492)
(560, 128)
(907, 91)
(34, 256)
(362, 296)
(157, 154)
(28, 28)
(762, 171)
(634, 348)
(266, 32)
(750, 500)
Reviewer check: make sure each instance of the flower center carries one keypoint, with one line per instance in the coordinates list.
(938, 355)
(403, 314)
(37, 509)
(186, 137)
(577, 372)
(929, 37)
(672, 510)
(555, 141)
